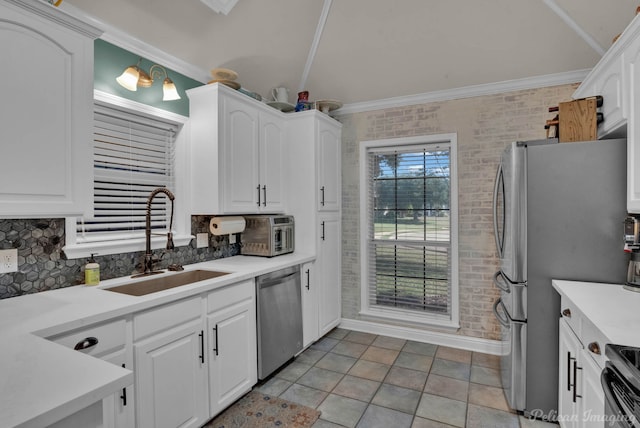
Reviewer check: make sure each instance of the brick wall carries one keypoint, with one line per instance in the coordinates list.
(484, 126)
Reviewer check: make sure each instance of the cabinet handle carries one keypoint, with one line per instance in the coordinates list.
(569, 370)
(215, 333)
(575, 380)
(86, 343)
(201, 346)
(264, 190)
(566, 313)
(322, 196)
(308, 279)
(322, 224)
(258, 194)
(124, 393)
(594, 347)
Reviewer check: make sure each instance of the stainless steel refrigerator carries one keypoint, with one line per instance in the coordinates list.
(559, 210)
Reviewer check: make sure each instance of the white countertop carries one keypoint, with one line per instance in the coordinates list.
(612, 309)
(43, 382)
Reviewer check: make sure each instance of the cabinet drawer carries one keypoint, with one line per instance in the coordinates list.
(230, 295)
(165, 317)
(571, 315)
(594, 342)
(110, 336)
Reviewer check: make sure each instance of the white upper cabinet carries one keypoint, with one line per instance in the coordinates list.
(47, 111)
(616, 78)
(237, 153)
(329, 160)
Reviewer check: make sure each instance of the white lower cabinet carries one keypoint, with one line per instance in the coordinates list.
(232, 353)
(580, 398)
(171, 378)
(329, 263)
(569, 375)
(108, 342)
(309, 293)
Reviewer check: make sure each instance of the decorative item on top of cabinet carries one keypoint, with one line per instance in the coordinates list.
(238, 152)
(38, 36)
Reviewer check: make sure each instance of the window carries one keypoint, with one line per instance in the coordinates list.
(409, 229)
(132, 155)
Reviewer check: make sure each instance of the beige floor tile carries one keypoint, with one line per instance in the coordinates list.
(453, 354)
(380, 355)
(488, 396)
(369, 370)
(389, 342)
(485, 360)
(360, 337)
(447, 387)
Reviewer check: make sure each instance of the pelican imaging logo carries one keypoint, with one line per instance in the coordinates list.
(587, 416)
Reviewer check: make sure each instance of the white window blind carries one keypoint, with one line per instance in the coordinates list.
(408, 239)
(132, 156)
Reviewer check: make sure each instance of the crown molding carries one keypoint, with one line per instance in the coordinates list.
(126, 41)
(60, 16)
(466, 92)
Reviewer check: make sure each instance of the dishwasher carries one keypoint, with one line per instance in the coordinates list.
(279, 316)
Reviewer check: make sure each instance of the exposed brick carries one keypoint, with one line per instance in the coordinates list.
(484, 126)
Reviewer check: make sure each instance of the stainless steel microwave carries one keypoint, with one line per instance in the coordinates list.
(268, 235)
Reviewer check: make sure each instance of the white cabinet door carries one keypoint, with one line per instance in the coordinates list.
(171, 378)
(273, 164)
(232, 353)
(329, 166)
(46, 165)
(239, 143)
(329, 266)
(238, 154)
(633, 130)
(310, 286)
(570, 348)
(591, 412)
(118, 409)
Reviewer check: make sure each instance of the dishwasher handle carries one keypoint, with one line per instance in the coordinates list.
(277, 280)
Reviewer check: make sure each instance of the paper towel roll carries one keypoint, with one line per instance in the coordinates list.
(226, 225)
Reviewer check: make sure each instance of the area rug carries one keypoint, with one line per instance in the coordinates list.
(258, 410)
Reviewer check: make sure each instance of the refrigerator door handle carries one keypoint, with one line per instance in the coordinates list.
(501, 284)
(504, 320)
(496, 190)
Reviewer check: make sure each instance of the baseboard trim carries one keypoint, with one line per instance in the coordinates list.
(475, 344)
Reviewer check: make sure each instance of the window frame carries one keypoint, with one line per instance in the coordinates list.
(182, 220)
(449, 321)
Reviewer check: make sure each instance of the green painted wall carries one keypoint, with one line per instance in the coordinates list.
(110, 61)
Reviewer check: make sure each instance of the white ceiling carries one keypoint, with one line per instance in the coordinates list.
(372, 49)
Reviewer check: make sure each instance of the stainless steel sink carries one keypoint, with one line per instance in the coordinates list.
(161, 283)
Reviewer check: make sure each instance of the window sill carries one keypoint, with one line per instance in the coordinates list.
(422, 320)
(124, 246)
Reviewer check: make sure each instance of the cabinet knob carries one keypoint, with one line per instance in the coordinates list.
(86, 343)
(566, 313)
(594, 347)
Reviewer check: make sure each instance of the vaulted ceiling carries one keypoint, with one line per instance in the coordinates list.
(357, 51)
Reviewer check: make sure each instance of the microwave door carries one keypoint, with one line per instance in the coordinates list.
(510, 213)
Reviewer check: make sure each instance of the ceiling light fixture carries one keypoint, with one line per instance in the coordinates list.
(134, 76)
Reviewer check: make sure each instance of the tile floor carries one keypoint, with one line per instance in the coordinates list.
(367, 381)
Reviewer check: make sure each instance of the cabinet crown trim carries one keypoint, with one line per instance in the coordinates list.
(51, 13)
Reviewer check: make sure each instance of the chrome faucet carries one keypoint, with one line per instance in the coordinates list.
(149, 260)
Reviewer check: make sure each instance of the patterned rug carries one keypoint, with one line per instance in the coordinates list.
(258, 410)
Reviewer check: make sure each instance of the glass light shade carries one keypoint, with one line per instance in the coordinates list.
(169, 91)
(129, 78)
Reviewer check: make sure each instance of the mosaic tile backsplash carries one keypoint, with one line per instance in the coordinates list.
(42, 265)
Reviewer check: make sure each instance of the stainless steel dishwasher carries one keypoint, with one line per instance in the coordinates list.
(279, 312)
